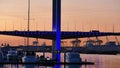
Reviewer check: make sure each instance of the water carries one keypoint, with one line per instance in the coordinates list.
(101, 61)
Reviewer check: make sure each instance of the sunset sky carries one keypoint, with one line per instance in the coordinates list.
(84, 14)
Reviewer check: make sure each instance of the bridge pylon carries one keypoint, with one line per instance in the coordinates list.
(56, 26)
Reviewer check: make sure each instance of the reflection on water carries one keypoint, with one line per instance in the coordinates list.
(101, 61)
(30, 66)
(72, 66)
(38, 66)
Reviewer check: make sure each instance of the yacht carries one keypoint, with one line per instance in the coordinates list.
(73, 57)
(12, 56)
(111, 43)
(1, 55)
(29, 58)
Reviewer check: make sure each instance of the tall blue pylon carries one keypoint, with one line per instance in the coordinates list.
(56, 26)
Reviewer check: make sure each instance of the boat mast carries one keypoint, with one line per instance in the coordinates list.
(28, 22)
(116, 36)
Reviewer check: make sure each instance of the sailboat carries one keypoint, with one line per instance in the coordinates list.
(30, 56)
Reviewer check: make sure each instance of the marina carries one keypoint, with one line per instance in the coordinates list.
(93, 54)
(101, 61)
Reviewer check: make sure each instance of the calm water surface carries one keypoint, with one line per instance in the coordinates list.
(101, 61)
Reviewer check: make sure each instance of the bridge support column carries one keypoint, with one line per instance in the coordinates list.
(56, 26)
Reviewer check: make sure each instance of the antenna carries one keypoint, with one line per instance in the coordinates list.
(13, 26)
(67, 26)
(117, 40)
(21, 26)
(113, 28)
(75, 26)
(90, 27)
(98, 26)
(24, 40)
(105, 27)
(36, 26)
(37, 40)
(44, 26)
(115, 36)
(82, 27)
(5, 25)
(105, 31)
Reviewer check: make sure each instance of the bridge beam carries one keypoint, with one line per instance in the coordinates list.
(56, 26)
